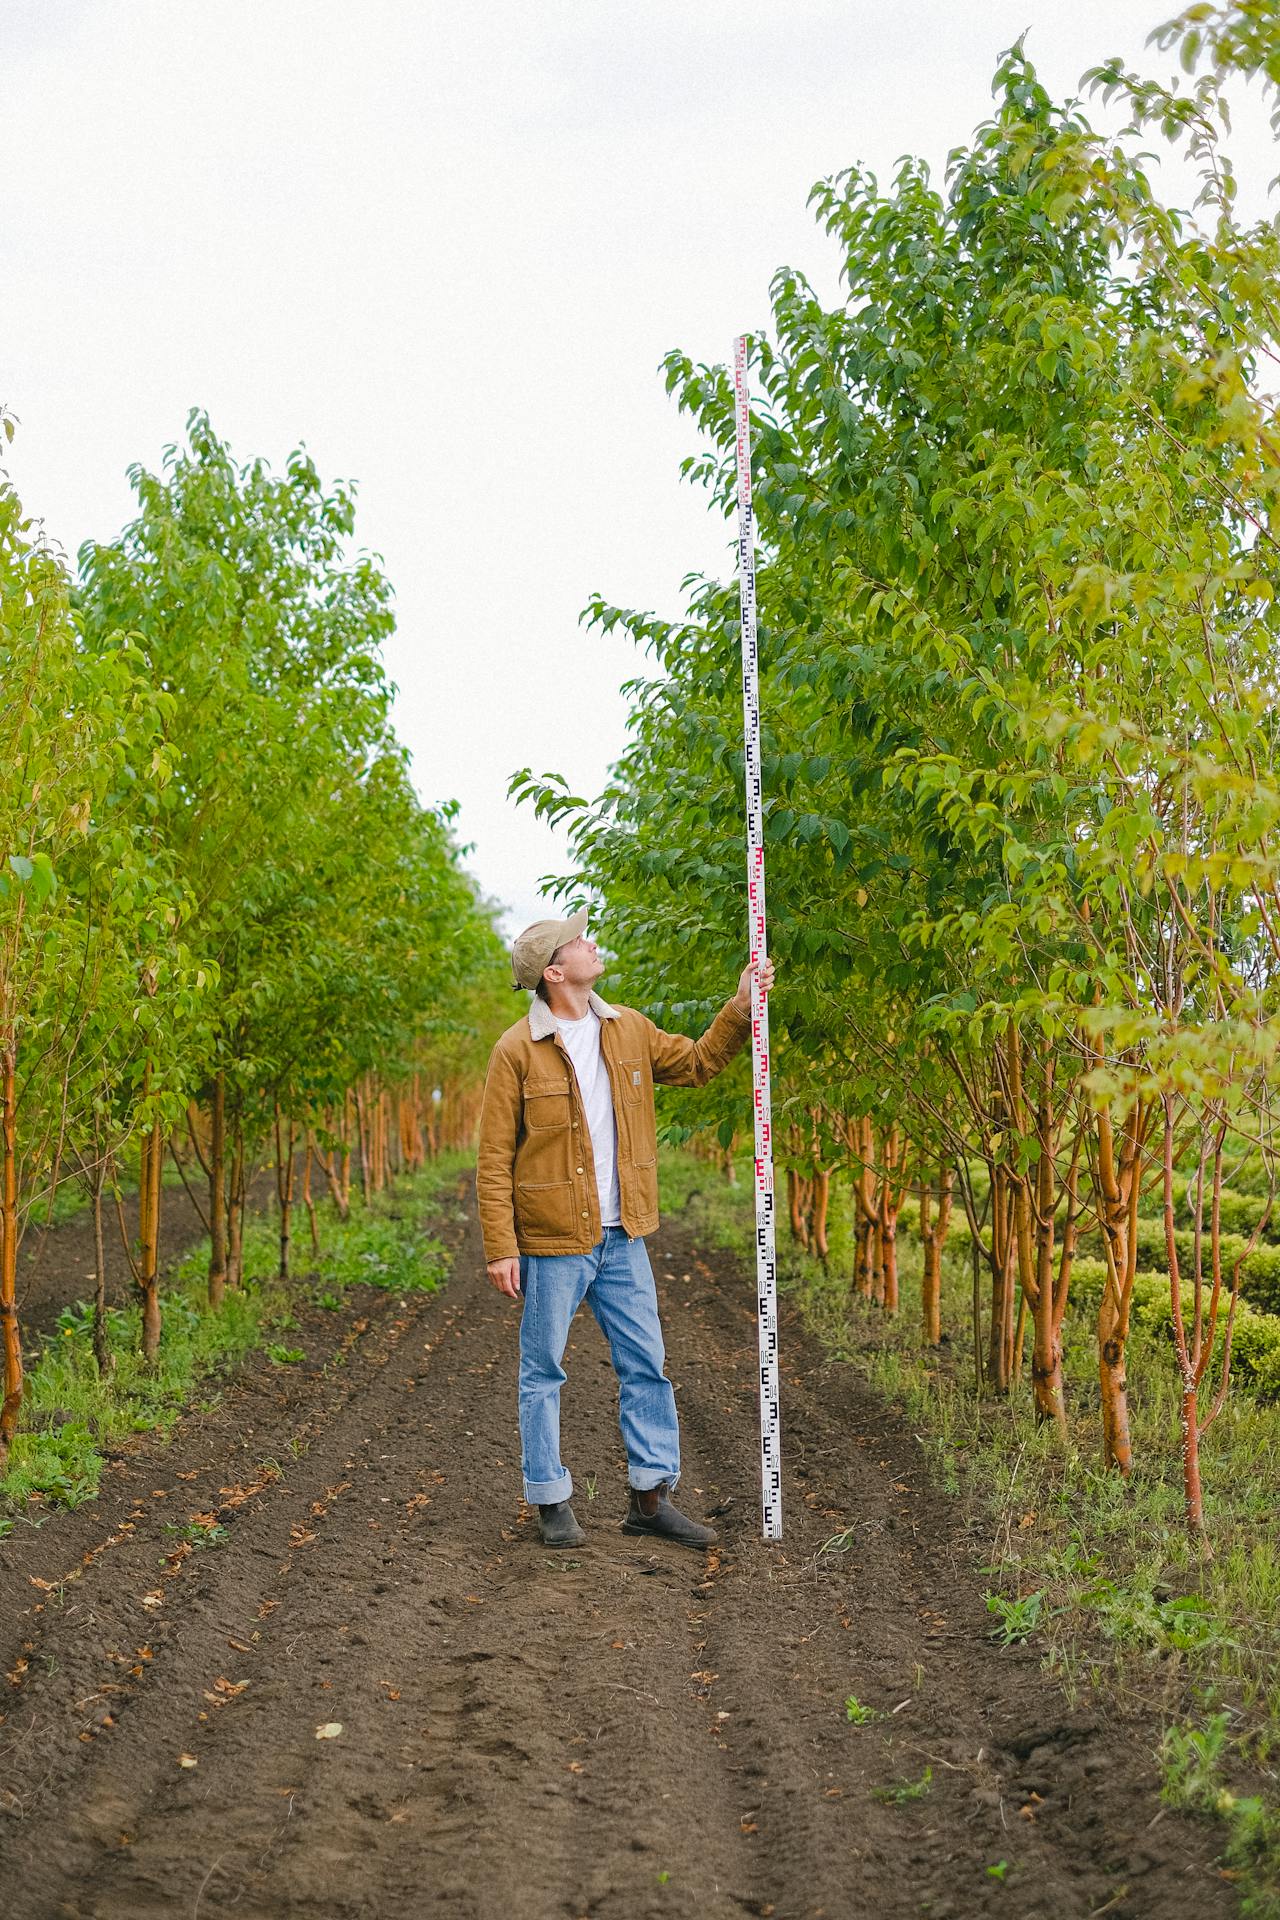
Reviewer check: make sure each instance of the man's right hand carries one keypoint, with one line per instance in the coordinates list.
(505, 1275)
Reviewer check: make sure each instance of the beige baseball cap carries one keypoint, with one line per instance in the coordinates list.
(534, 947)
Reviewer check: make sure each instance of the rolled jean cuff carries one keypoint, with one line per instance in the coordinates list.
(645, 1479)
(548, 1493)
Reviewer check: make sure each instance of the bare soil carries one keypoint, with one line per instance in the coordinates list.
(630, 1730)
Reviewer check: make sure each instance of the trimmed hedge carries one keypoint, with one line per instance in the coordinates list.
(1241, 1212)
(1255, 1341)
(1259, 1279)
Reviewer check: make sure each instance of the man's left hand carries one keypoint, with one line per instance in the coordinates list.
(764, 972)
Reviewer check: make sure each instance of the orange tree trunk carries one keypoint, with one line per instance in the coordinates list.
(151, 1158)
(1121, 1227)
(218, 1191)
(284, 1188)
(1043, 1280)
(1190, 1352)
(1002, 1257)
(1197, 1345)
(366, 1147)
(1113, 1381)
(794, 1215)
(308, 1198)
(857, 1136)
(933, 1236)
(889, 1255)
(1118, 1182)
(891, 1197)
(235, 1208)
(344, 1173)
(877, 1261)
(1052, 1285)
(864, 1256)
(821, 1194)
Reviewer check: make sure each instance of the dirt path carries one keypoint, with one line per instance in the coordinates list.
(624, 1732)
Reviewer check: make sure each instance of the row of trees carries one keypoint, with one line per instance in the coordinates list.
(223, 909)
(1016, 503)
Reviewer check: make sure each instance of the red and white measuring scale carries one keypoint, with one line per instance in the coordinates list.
(766, 1258)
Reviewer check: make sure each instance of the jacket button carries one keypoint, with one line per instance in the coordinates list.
(585, 1214)
(580, 1169)
(575, 1126)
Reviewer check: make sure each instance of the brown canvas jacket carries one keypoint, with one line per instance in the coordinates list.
(535, 1176)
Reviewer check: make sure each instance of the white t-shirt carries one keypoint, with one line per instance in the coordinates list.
(582, 1038)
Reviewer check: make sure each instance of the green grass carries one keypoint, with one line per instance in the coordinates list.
(900, 1793)
(382, 1249)
(71, 1417)
(1102, 1572)
(857, 1713)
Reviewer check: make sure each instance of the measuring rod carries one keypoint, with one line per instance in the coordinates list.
(766, 1260)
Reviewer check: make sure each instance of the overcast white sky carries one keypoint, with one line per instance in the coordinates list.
(445, 245)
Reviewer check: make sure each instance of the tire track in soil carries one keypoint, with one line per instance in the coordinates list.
(625, 1731)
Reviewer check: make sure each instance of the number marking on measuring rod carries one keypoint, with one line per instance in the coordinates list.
(766, 1261)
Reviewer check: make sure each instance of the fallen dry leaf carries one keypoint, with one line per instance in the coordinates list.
(187, 1760)
(329, 1731)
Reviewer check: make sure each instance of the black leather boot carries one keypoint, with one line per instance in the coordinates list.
(558, 1526)
(651, 1512)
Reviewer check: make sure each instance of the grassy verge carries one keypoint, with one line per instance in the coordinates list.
(1102, 1572)
(72, 1417)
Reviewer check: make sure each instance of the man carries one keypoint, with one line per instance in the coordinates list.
(567, 1182)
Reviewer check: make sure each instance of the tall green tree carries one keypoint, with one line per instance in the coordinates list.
(1015, 500)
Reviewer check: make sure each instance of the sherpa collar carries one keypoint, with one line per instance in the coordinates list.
(542, 1022)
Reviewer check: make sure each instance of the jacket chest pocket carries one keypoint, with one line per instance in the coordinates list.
(546, 1105)
(631, 1077)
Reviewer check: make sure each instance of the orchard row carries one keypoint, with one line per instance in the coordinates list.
(1016, 499)
(224, 912)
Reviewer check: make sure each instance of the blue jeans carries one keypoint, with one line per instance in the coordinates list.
(616, 1281)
